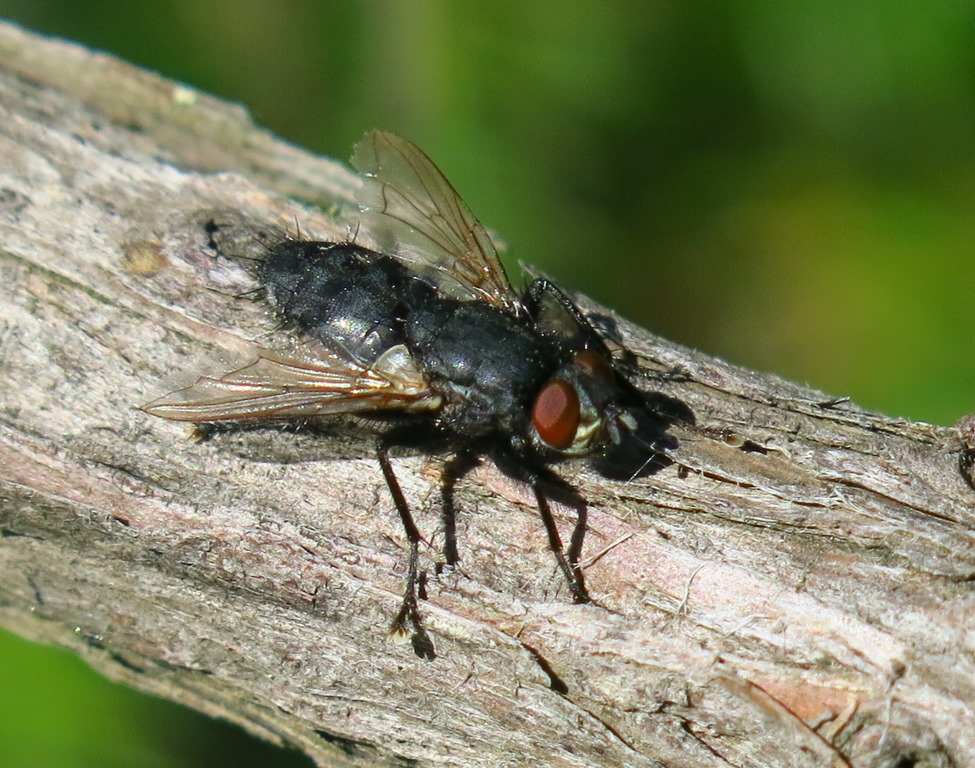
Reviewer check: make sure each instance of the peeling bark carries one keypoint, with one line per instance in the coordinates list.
(794, 588)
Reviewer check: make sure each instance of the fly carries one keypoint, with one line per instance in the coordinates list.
(426, 339)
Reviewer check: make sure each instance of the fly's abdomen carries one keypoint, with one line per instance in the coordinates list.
(340, 293)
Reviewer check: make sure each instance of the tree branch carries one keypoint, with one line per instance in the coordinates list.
(794, 588)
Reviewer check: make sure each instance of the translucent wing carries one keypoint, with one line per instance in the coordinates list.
(418, 217)
(324, 383)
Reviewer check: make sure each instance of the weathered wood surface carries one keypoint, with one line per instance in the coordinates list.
(794, 590)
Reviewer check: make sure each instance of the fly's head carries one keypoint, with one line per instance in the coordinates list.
(582, 409)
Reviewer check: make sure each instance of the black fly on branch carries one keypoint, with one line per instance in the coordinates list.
(427, 339)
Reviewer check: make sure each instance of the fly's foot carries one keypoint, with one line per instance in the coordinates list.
(407, 627)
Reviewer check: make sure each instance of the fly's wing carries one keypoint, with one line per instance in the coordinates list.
(418, 217)
(321, 384)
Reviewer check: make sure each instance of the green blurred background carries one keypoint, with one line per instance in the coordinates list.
(787, 185)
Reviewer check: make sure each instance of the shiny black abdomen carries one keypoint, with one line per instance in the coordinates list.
(340, 293)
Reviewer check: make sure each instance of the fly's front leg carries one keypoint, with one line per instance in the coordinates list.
(554, 314)
(537, 478)
(541, 287)
(568, 565)
(409, 612)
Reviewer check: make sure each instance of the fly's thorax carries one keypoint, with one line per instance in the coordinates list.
(485, 363)
(579, 410)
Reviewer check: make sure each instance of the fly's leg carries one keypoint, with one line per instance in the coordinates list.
(534, 301)
(542, 286)
(536, 477)
(567, 564)
(459, 465)
(407, 622)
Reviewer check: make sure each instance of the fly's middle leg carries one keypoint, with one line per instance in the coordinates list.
(454, 470)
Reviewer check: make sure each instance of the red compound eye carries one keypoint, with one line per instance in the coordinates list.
(594, 364)
(556, 414)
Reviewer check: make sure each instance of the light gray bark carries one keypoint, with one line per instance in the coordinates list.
(795, 589)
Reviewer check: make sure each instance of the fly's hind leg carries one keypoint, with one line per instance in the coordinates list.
(407, 622)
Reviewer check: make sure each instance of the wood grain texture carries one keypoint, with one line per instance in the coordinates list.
(794, 589)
